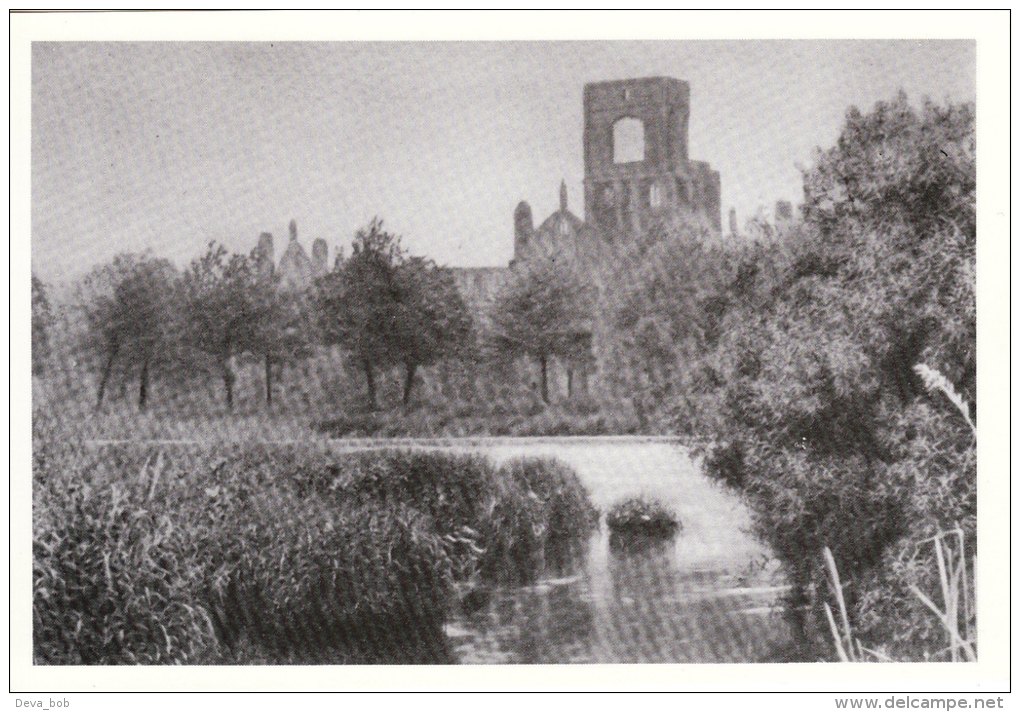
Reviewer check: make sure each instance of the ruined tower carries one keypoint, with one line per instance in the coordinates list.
(524, 230)
(636, 165)
(320, 257)
(264, 254)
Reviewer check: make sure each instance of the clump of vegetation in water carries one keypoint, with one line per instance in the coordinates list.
(641, 516)
(276, 554)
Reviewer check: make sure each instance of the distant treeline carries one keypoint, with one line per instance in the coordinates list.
(140, 319)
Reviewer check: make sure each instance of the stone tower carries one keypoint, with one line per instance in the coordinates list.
(264, 254)
(636, 165)
(320, 257)
(524, 230)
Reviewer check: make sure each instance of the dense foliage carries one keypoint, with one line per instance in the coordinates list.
(664, 296)
(822, 420)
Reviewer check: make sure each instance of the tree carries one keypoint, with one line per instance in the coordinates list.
(431, 320)
(282, 329)
(893, 204)
(824, 423)
(386, 308)
(663, 299)
(131, 315)
(541, 313)
(42, 323)
(357, 302)
(222, 309)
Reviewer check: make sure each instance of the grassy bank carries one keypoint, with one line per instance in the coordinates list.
(277, 554)
(498, 419)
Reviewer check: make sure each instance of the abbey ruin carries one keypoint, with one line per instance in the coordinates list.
(637, 173)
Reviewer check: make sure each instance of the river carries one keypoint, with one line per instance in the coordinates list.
(711, 595)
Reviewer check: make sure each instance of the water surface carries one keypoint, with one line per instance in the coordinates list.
(709, 595)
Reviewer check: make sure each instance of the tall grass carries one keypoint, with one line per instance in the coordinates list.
(956, 613)
(245, 553)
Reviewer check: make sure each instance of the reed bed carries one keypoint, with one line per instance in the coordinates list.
(235, 554)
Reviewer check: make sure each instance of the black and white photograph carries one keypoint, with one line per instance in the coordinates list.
(573, 352)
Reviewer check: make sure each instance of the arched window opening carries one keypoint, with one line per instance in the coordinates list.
(628, 140)
(655, 197)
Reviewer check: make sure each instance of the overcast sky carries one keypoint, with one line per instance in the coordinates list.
(166, 146)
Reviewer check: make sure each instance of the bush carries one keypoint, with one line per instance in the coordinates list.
(497, 522)
(644, 517)
(453, 491)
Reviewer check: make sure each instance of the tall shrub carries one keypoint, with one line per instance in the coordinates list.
(823, 421)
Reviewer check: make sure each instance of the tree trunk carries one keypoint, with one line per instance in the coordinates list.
(409, 371)
(228, 384)
(544, 361)
(105, 379)
(370, 382)
(143, 385)
(269, 380)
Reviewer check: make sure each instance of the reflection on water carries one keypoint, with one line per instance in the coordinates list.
(703, 597)
(634, 605)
